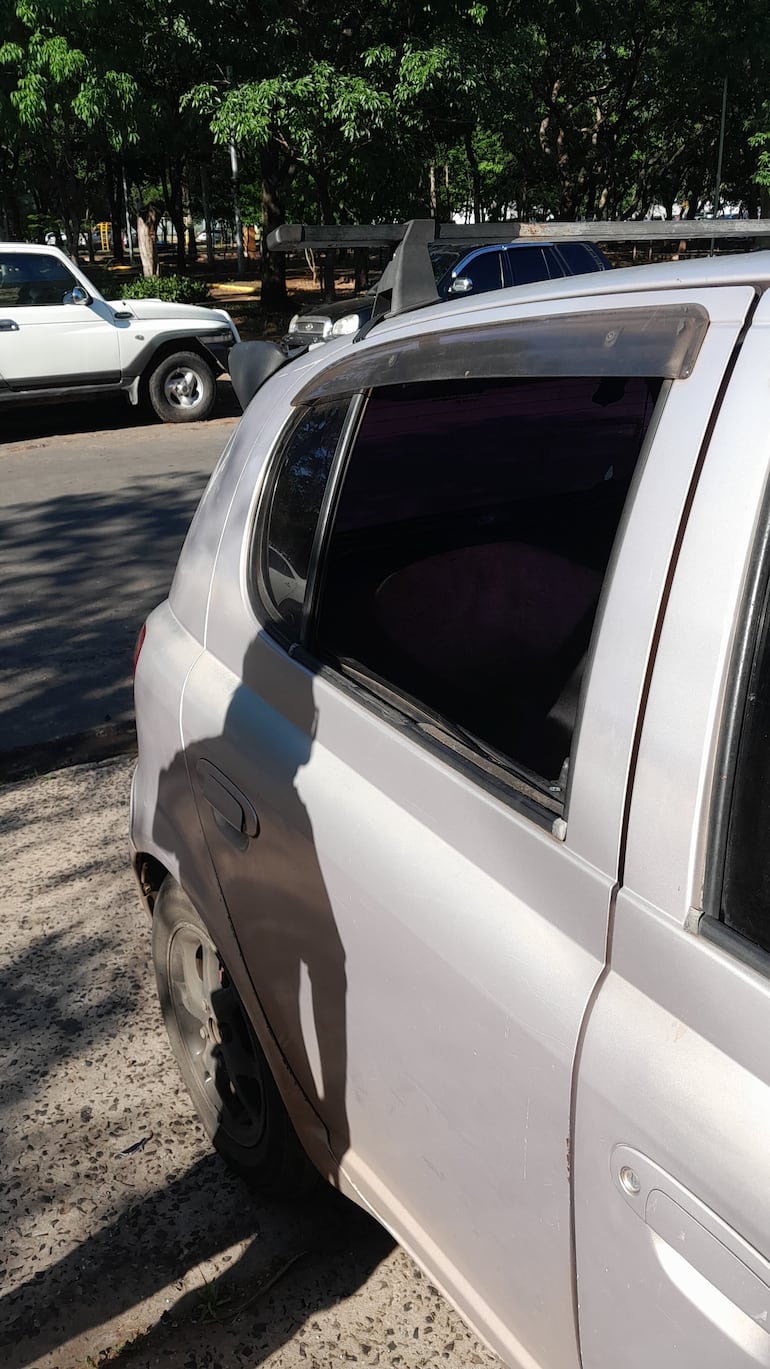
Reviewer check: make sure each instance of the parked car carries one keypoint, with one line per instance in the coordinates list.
(217, 236)
(457, 272)
(59, 339)
(452, 801)
(54, 239)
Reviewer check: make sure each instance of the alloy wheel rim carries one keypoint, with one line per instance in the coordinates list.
(182, 387)
(216, 1036)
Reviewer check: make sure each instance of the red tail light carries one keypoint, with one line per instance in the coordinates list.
(139, 645)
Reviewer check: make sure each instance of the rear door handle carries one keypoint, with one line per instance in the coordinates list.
(8, 325)
(227, 801)
(697, 1233)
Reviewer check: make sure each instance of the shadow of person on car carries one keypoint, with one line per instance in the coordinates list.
(258, 885)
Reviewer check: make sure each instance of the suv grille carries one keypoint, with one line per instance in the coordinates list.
(310, 329)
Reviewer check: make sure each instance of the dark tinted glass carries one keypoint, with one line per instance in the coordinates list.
(581, 257)
(485, 271)
(35, 278)
(442, 260)
(528, 264)
(472, 535)
(746, 891)
(295, 505)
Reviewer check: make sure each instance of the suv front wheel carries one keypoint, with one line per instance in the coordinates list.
(182, 388)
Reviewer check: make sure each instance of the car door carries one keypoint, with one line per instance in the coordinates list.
(672, 1207)
(47, 341)
(381, 756)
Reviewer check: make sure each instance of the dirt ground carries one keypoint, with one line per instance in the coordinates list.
(123, 1239)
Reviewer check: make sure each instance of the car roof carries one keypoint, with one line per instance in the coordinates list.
(29, 247)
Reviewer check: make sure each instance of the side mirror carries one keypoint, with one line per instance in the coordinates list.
(461, 285)
(250, 364)
(77, 295)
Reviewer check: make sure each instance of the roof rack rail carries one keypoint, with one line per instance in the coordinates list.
(407, 281)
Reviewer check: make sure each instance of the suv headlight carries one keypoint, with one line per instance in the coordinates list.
(349, 324)
(293, 321)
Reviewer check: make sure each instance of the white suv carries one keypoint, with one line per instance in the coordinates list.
(60, 339)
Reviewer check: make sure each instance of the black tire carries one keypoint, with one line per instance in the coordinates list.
(182, 388)
(218, 1054)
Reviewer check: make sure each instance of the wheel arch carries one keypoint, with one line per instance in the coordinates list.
(163, 345)
(150, 873)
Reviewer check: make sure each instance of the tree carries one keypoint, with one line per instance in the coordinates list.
(66, 96)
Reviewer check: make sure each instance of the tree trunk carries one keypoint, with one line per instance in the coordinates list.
(328, 268)
(329, 258)
(475, 178)
(207, 214)
(117, 207)
(192, 246)
(146, 233)
(172, 191)
(72, 233)
(361, 260)
(274, 298)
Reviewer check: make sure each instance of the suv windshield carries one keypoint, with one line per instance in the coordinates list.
(442, 261)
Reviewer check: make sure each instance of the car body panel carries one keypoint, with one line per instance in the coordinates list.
(374, 976)
(631, 617)
(59, 344)
(161, 796)
(675, 1058)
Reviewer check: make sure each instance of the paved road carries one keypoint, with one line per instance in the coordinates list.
(123, 1239)
(91, 522)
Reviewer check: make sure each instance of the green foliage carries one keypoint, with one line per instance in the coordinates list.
(480, 107)
(761, 141)
(173, 289)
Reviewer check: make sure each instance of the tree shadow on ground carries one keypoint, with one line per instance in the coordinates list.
(53, 1012)
(80, 573)
(33, 421)
(300, 1258)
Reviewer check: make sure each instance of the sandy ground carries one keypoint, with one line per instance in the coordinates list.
(123, 1240)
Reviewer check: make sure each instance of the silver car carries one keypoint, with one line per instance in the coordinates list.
(452, 803)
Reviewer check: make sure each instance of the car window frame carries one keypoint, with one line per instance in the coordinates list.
(348, 379)
(262, 600)
(466, 755)
(752, 620)
(540, 800)
(470, 257)
(546, 252)
(45, 256)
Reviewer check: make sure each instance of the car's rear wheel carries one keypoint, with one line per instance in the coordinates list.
(182, 388)
(218, 1053)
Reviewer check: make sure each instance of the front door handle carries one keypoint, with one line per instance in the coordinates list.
(697, 1233)
(227, 800)
(8, 325)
